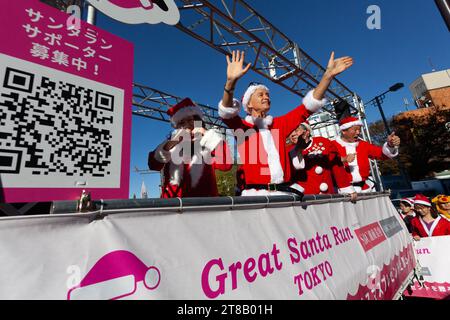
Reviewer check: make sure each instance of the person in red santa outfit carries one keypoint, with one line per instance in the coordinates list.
(427, 223)
(355, 152)
(261, 138)
(188, 159)
(317, 164)
(407, 211)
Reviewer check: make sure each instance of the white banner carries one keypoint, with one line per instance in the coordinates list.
(434, 259)
(327, 250)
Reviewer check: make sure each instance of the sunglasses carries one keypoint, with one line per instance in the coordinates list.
(251, 84)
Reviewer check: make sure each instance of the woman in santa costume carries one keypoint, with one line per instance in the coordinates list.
(407, 211)
(355, 152)
(188, 159)
(427, 223)
(317, 164)
(261, 138)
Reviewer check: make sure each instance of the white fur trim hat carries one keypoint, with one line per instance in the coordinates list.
(349, 122)
(183, 109)
(248, 94)
(421, 199)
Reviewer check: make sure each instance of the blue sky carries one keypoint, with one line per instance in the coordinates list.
(412, 32)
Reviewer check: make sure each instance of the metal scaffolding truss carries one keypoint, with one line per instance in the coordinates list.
(152, 103)
(227, 25)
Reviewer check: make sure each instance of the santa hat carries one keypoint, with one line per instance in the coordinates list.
(248, 94)
(421, 199)
(348, 122)
(408, 201)
(306, 126)
(183, 109)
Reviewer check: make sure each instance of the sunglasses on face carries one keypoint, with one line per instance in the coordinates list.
(254, 84)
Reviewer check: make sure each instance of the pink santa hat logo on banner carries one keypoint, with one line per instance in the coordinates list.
(116, 275)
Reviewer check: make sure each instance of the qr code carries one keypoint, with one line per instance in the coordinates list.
(56, 128)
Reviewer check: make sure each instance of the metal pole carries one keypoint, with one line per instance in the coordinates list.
(378, 102)
(402, 169)
(91, 15)
(444, 8)
(375, 171)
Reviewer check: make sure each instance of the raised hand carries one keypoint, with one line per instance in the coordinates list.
(235, 68)
(393, 140)
(337, 66)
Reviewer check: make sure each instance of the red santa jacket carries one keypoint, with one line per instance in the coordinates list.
(440, 227)
(319, 165)
(360, 167)
(196, 178)
(262, 141)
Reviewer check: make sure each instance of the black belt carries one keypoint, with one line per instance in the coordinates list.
(359, 184)
(275, 187)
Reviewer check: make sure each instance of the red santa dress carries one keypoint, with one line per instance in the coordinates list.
(196, 176)
(319, 168)
(440, 227)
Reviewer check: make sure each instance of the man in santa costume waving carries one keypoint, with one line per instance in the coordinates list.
(355, 152)
(317, 164)
(428, 223)
(190, 156)
(261, 138)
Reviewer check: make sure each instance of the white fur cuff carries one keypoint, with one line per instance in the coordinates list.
(162, 155)
(312, 104)
(299, 165)
(211, 139)
(297, 187)
(390, 152)
(347, 190)
(228, 113)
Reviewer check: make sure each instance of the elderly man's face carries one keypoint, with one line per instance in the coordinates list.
(260, 101)
(351, 134)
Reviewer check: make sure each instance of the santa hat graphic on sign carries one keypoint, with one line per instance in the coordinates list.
(146, 4)
(348, 122)
(184, 109)
(421, 199)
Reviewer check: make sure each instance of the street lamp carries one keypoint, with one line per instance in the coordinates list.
(378, 100)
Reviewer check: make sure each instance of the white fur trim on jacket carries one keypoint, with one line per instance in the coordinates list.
(186, 112)
(350, 147)
(248, 94)
(297, 187)
(347, 190)
(299, 165)
(231, 112)
(390, 152)
(312, 104)
(260, 123)
(273, 157)
(263, 192)
(162, 155)
(211, 139)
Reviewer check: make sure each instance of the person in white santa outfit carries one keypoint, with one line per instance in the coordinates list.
(261, 138)
(190, 156)
(355, 152)
(317, 164)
